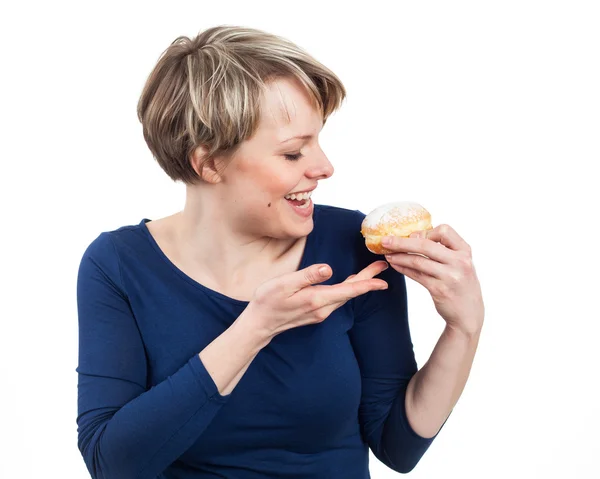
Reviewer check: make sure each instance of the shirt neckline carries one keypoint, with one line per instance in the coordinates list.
(206, 289)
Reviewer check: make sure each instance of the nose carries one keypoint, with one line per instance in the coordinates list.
(321, 167)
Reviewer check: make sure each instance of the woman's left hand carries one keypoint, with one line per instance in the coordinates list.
(446, 270)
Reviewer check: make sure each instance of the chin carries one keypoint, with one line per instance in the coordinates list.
(283, 222)
(306, 228)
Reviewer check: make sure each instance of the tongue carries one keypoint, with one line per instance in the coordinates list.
(297, 202)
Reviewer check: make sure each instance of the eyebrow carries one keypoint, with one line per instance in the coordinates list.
(299, 137)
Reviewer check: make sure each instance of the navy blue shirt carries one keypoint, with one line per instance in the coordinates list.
(310, 405)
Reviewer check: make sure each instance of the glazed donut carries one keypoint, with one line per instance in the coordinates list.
(393, 219)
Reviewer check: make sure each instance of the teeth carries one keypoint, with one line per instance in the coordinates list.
(299, 196)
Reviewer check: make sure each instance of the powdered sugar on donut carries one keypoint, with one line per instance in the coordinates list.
(400, 212)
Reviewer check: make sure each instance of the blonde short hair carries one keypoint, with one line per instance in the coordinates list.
(206, 92)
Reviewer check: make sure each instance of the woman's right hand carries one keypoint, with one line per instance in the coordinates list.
(296, 299)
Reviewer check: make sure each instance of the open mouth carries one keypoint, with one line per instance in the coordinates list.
(300, 200)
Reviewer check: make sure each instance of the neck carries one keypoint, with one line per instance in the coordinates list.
(205, 236)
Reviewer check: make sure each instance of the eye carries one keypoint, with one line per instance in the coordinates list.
(293, 157)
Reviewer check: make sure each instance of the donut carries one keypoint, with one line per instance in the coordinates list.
(400, 218)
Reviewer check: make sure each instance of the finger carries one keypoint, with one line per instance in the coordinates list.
(445, 235)
(320, 296)
(429, 248)
(367, 273)
(330, 308)
(372, 270)
(298, 280)
(417, 263)
(421, 278)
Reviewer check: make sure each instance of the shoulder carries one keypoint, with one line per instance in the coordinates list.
(111, 240)
(105, 250)
(337, 218)
(338, 230)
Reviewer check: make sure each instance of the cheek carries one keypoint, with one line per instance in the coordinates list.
(278, 185)
(263, 184)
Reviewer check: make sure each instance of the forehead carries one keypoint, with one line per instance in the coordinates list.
(288, 110)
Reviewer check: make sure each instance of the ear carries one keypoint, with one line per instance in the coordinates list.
(206, 168)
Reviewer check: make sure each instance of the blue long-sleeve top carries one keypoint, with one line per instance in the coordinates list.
(310, 405)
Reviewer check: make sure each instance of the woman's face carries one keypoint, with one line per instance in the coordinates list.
(274, 163)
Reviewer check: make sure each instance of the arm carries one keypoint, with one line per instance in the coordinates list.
(383, 347)
(445, 268)
(228, 357)
(435, 389)
(125, 430)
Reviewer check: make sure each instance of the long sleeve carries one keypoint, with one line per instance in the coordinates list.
(126, 430)
(384, 350)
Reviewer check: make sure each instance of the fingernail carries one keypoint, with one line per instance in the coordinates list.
(386, 241)
(323, 270)
(386, 267)
(416, 234)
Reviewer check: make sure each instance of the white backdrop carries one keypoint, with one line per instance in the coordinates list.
(487, 113)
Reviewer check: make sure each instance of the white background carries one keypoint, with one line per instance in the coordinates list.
(487, 113)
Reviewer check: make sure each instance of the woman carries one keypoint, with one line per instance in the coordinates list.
(247, 336)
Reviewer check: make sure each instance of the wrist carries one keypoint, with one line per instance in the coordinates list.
(248, 326)
(462, 333)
